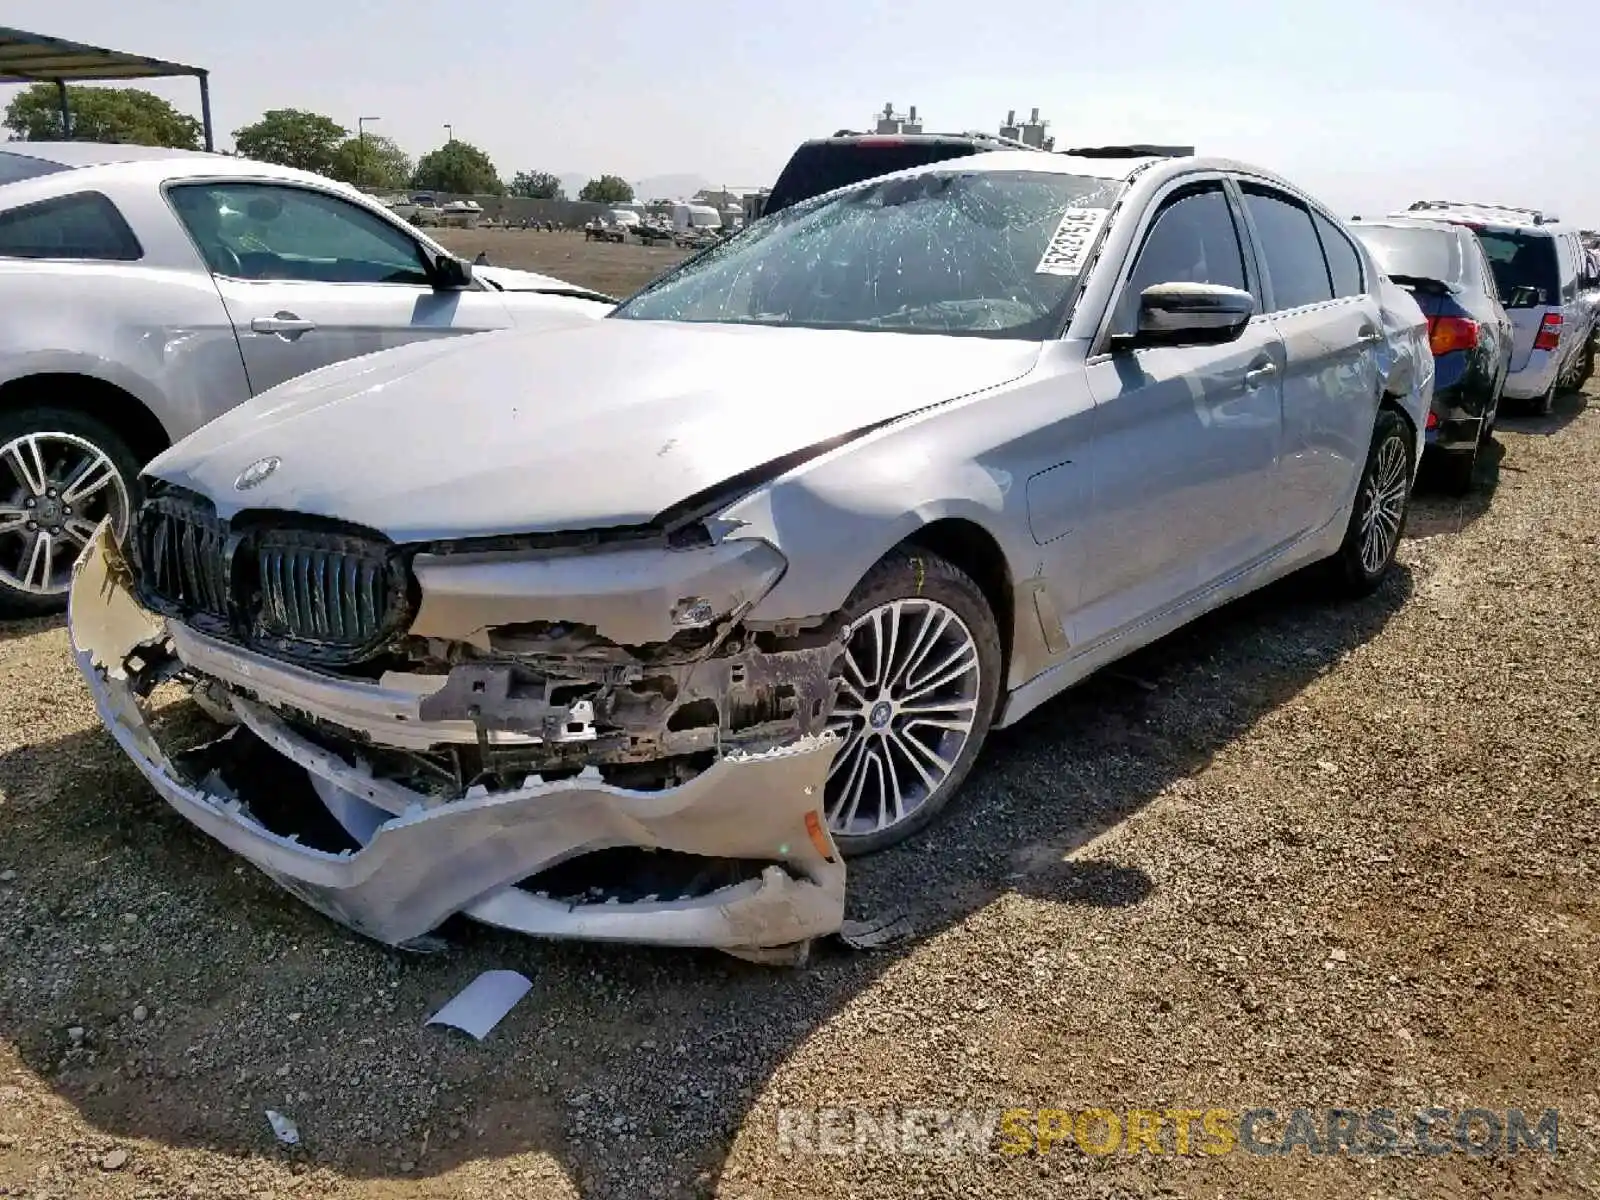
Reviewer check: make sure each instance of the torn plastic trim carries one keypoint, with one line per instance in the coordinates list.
(631, 596)
(421, 867)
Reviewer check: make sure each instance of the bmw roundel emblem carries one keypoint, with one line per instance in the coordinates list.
(255, 473)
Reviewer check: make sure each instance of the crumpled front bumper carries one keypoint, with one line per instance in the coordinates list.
(432, 860)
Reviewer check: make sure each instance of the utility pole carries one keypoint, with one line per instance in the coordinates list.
(361, 148)
(449, 132)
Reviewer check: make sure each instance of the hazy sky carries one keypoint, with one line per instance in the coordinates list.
(1367, 103)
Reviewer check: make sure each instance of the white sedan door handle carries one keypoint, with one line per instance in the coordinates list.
(1370, 336)
(283, 322)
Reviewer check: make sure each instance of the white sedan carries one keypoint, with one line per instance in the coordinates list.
(147, 291)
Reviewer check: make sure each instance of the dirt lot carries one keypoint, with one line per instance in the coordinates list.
(616, 270)
(1298, 855)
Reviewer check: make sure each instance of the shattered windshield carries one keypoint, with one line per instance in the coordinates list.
(976, 253)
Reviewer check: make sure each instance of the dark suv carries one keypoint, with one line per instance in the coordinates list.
(847, 157)
(822, 164)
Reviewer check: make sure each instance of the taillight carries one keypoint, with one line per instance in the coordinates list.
(1549, 332)
(1433, 420)
(1451, 333)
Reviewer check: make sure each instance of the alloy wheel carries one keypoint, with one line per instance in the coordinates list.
(1383, 500)
(55, 489)
(907, 704)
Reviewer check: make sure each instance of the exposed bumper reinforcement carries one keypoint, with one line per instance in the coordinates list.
(435, 859)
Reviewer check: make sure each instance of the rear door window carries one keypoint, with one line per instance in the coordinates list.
(84, 226)
(1294, 265)
(1344, 262)
(1526, 273)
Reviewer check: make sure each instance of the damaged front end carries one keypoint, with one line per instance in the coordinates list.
(569, 737)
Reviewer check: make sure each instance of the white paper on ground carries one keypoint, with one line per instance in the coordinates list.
(481, 1005)
(283, 1128)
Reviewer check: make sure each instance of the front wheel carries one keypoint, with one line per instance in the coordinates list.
(1378, 519)
(61, 474)
(920, 678)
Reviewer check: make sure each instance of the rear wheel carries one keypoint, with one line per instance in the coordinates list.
(920, 679)
(61, 474)
(1585, 370)
(1379, 516)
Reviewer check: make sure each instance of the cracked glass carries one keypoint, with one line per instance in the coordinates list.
(959, 252)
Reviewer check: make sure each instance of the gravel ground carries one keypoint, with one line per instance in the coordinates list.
(1298, 854)
(616, 270)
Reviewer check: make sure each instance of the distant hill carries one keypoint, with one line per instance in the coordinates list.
(668, 186)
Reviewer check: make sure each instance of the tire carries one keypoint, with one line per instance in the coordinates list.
(1351, 572)
(1585, 371)
(1456, 469)
(63, 433)
(919, 592)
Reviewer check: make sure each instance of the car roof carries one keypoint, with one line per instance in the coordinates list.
(1491, 216)
(95, 164)
(99, 154)
(1404, 222)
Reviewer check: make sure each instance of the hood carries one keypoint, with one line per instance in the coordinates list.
(587, 426)
(507, 279)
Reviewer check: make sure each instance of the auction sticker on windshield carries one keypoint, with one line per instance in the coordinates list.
(1070, 243)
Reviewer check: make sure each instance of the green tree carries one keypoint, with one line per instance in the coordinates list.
(372, 162)
(100, 114)
(537, 185)
(608, 189)
(458, 167)
(292, 137)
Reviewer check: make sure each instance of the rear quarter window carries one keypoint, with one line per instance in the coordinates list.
(16, 167)
(85, 226)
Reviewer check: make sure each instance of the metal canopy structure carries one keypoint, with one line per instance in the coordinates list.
(34, 58)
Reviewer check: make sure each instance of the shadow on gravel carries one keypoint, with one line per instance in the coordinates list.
(12, 629)
(1569, 406)
(633, 1070)
(1434, 511)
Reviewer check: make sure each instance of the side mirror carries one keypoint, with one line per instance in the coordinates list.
(451, 274)
(1188, 314)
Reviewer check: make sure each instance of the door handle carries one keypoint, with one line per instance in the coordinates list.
(282, 323)
(1254, 379)
(1367, 336)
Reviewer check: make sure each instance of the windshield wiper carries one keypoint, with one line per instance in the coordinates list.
(575, 292)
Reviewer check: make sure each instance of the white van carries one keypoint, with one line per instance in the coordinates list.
(689, 217)
(1541, 272)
